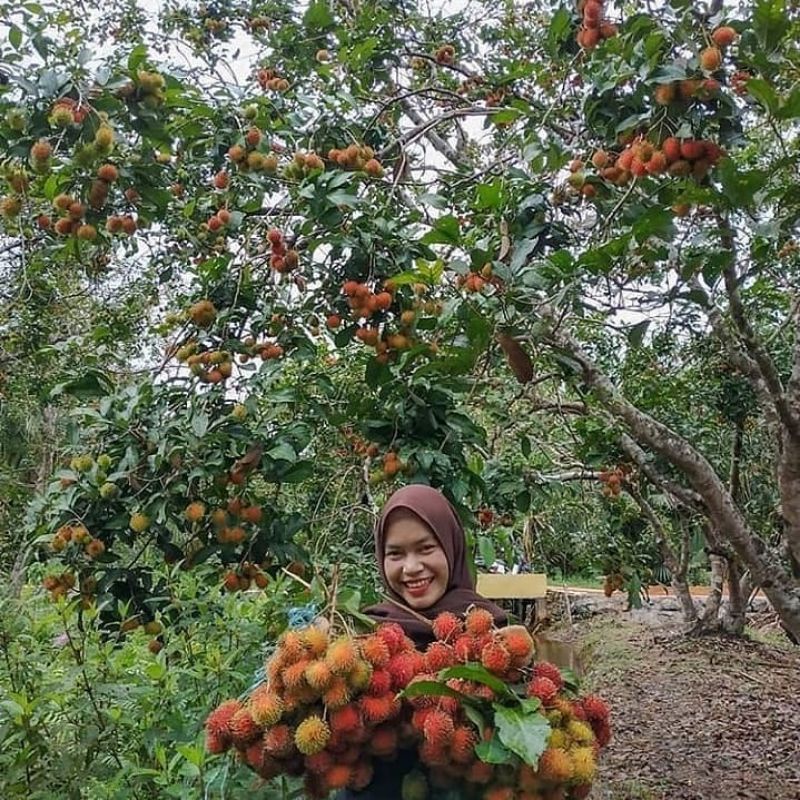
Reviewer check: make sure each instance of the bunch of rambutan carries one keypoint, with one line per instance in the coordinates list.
(332, 706)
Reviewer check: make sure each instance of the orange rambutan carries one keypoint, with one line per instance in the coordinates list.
(439, 656)
(671, 148)
(345, 720)
(294, 675)
(555, 765)
(315, 641)
(338, 776)
(383, 740)
(290, 646)
(266, 707)
(243, 728)
(519, 644)
(318, 675)
(478, 621)
(379, 683)
(544, 689)
(375, 650)
(544, 669)
(462, 745)
(496, 658)
(312, 735)
(279, 741)
(724, 36)
(219, 720)
(341, 656)
(337, 694)
(447, 626)
(438, 728)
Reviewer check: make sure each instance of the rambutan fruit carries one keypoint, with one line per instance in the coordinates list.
(318, 675)
(279, 741)
(664, 94)
(657, 163)
(558, 738)
(724, 36)
(580, 732)
(519, 644)
(499, 793)
(478, 621)
(383, 740)
(266, 707)
(254, 754)
(447, 626)
(584, 764)
(711, 59)
(404, 666)
(375, 650)
(337, 694)
(555, 765)
(393, 635)
(360, 775)
(341, 656)
(496, 658)
(528, 778)
(579, 792)
(602, 730)
(216, 744)
(692, 149)
(312, 735)
(595, 707)
(543, 688)
(338, 776)
(463, 648)
(319, 763)
(439, 656)
(243, 728)
(345, 720)
(438, 728)
(359, 676)
(294, 675)
(480, 772)
(433, 754)
(671, 148)
(544, 669)
(219, 720)
(378, 709)
(462, 745)
(315, 641)
(680, 168)
(379, 683)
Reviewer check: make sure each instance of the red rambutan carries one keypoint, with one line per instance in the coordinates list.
(496, 658)
(254, 754)
(393, 635)
(478, 621)
(462, 745)
(338, 776)
(480, 772)
(447, 626)
(279, 741)
(499, 793)
(345, 720)
(379, 709)
(380, 683)
(434, 754)
(383, 740)
(319, 763)
(216, 744)
(596, 708)
(403, 667)
(438, 728)
(464, 647)
(243, 728)
(360, 776)
(544, 669)
(519, 644)
(544, 689)
(439, 656)
(219, 720)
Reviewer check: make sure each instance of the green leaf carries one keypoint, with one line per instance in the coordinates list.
(486, 550)
(764, 93)
(200, 424)
(523, 733)
(282, 452)
(318, 16)
(479, 674)
(490, 195)
(432, 689)
(637, 332)
(445, 231)
(15, 36)
(494, 751)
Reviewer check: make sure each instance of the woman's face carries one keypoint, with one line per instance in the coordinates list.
(413, 560)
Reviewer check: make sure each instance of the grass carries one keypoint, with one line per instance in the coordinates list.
(579, 581)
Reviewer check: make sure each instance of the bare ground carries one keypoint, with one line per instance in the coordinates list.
(693, 718)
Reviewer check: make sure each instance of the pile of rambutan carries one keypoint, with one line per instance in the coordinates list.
(483, 718)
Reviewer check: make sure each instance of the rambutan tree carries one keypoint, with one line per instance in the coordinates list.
(421, 199)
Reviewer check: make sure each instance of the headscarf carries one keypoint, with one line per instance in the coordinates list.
(436, 512)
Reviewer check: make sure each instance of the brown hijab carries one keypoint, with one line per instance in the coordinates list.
(436, 512)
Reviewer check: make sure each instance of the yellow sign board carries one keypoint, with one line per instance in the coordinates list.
(512, 587)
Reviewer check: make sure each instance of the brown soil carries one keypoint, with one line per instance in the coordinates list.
(694, 719)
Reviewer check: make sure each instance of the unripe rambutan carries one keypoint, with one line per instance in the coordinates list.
(315, 641)
(584, 764)
(359, 676)
(438, 728)
(447, 626)
(375, 650)
(219, 720)
(312, 735)
(337, 694)
(462, 745)
(555, 765)
(383, 740)
(380, 683)
(360, 775)
(378, 709)
(345, 720)
(319, 763)
(338, 776)
(544, 669)
(595, 707)
(341, 656)
(558, 738)
(266, 707)
(243, 728)
(544, 689)
(495, 658)
(580, 732)
(478, 621)
(318, 675)
(439, 656)
(391, 632)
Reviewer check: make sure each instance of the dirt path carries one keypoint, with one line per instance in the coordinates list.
(694, 719)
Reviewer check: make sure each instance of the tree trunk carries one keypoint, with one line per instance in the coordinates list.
(709, 620)
(779, 586)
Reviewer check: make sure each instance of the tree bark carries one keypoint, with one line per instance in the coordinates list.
(724, 515)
